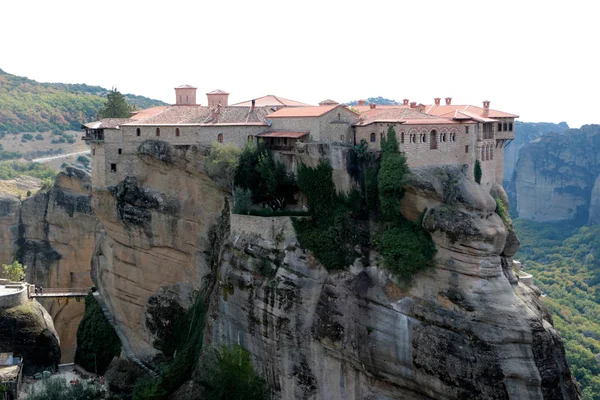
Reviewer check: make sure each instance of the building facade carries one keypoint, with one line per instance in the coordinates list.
(433, 134)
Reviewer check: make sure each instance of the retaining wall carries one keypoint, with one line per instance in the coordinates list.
(13, 299)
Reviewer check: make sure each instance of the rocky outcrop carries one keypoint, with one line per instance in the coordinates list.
(555, 176)
(154, 242)
(526, 132)
(27, 330)
(465, 329)
(52, 232)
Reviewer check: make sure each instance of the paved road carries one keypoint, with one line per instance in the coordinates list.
(44, 159)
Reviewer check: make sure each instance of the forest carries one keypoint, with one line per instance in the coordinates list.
(30, 106)
(565, 262)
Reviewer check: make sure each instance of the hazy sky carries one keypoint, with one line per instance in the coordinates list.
(538, 59)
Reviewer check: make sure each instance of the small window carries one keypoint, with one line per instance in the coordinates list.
(452, 138)
(467, 149)
(491, 152)
(505, 127)
(113, 167)
(285, 141)
(220, 138)
(381, 136)
(499, 126)
(177, 132)
(442, 137)
(466, 129)
(157, 131)
(510, 127)
(341, 138)
(401, 137)
(138, 132)
(120, 151)
(373, 138)
(412, 137)
(483, 153)
(250, 137)
(93, 152)
(187, 99)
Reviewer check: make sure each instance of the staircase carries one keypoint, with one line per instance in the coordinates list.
(124, 342)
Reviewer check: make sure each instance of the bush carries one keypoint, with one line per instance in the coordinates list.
(222, 162)
(26, 137)
(477, 173)
(503, 213)
(59, 389)
(242, 200)
(39, 137)
(391, 177)
(14, 272)
(227, 374)
(97, 341)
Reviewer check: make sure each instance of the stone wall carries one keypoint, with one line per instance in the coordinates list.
(270, 229)
(13, 299)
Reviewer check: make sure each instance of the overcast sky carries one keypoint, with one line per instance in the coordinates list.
(537, 59)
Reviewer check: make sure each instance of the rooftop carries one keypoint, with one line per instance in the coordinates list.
(218, 91)
(202, 115)
(303, 112)
(271, 101)
(283, 134)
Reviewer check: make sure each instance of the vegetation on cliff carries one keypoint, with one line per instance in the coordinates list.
(30, 106)
(565, 264)
(10, 170)
(97, 341)
(14, 272)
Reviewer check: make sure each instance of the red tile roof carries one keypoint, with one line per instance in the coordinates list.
(186, 87)
(218, 91)
(400, 115)
(271, 101)
(281, 134)
(303, 112)
(474, 110)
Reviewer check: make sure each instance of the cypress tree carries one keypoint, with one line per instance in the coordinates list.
(477, 172)
(116, 106)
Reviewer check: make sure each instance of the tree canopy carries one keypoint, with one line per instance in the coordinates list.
(115, 106)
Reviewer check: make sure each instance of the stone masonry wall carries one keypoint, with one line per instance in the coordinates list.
(14, 299)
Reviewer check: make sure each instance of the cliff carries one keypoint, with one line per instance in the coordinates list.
(465, 329)
(27, 329)
(526, 132)
(555, 176)
(52, 232)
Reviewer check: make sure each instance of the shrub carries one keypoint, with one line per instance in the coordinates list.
(477, 173)
(14, 272)
(242, 200)
(391, 177)
(97, 341)
(227, 374)
(503, 213)
(39, 137)
(26, 137)
(59, 389)
(222, 162)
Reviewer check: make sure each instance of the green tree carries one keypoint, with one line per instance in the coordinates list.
(477, 172)
(391, 177)
(116, 106)
(228, 374)
(222, 162)
(14, 272)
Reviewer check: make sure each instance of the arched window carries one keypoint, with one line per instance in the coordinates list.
(220, 138)
(452, 138)
(157, 131)
(401, 137)
(487, 153)
(491, 152)
(423, 138)
(433, 139)
(373, 138)
(442, 137)
(176, 131)
(482, 153)
(412, 137)
(381, 137)
(138, 132)
(250, 138)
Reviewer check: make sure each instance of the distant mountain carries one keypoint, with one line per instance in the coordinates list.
(30, 106)
(375, 100)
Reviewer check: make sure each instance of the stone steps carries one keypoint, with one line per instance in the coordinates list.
(124, 342)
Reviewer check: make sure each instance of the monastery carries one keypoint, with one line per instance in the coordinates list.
(432, 134)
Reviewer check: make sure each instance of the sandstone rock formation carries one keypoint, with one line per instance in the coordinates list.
(27, 330)
(555, 175)
(151, 251)
(466, 329)
(52, 232)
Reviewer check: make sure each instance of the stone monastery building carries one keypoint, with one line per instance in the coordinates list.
(428, 134)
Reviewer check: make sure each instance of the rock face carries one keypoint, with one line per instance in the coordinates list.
(52, 233)
(526, 132)
(465, 329)
(151, 251)
(27, 330)
(556, 174)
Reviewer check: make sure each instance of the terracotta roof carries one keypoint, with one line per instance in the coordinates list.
(186, 87)
(148, 112)
(271, 101)
(362, 109)
(400, 115)
(107, 123)
(447, 109)
(281, 134)
(218, 91)
(301, 112)
(202, 115)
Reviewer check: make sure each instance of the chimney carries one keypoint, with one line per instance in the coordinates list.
(405, 102)
(437, 101)
(219, 108)
(361, 103)
(185, 95)
(486, 107)
(253, 104)
(448, 101)
(413, 104)
(372, 105)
